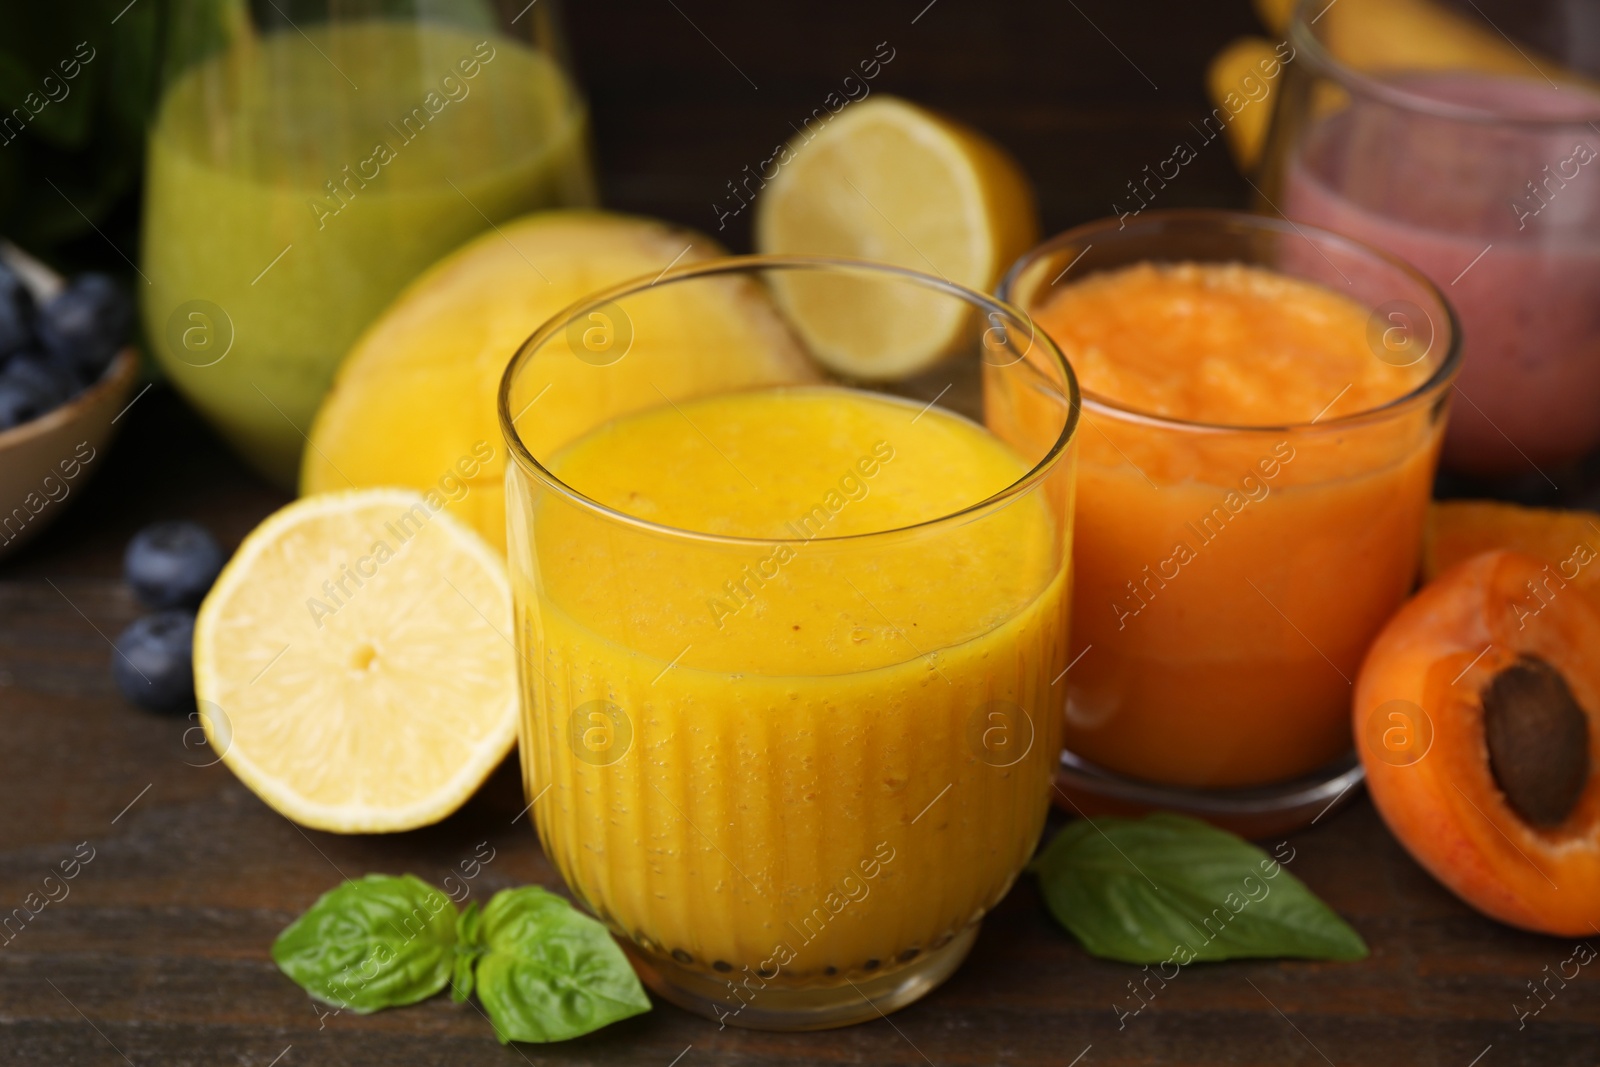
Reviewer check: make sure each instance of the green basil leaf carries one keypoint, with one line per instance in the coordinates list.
(1171, 888)
(469, 946)
(550, 972)
(376, 942)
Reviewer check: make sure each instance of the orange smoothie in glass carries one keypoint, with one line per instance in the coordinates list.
(1243, 530)
(767, 764)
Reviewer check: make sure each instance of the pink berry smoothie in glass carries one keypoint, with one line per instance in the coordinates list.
(1490, 185)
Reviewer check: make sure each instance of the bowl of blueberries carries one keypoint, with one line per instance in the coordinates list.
(65, 375)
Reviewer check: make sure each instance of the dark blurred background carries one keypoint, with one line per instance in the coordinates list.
(686, 93)
(1075, 90)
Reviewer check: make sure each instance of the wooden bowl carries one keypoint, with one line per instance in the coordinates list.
(45, 463)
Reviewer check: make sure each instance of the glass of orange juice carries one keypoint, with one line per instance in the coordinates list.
(790, 645)
(1263, 405)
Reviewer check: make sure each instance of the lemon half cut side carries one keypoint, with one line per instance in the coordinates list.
(353, 663)
(891, 182)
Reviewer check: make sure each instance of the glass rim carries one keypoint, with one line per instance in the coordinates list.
(1443, 375)
(1303, 35)
(754, 265)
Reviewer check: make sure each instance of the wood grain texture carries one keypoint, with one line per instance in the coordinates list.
(159, 955)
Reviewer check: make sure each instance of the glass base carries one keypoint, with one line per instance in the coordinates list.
(811, 1008)
(1258, 811)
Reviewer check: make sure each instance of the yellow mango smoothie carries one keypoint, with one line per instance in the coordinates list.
(1243, 531)
(297, 181)
(811, 741)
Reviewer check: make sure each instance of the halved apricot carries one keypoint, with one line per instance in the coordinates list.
(1477, 717)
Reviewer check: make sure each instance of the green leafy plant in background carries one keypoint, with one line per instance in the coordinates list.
(542, 970)
(72, 148)
(1170, 888)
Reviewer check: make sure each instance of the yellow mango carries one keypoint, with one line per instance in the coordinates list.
(414, 402)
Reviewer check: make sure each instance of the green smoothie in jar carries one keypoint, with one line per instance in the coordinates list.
(296, 182)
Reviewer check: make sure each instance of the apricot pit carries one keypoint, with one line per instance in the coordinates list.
(1538, 740)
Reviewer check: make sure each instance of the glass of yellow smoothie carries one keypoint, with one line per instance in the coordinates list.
(791, 646)
(1263, 409)
(302, 170)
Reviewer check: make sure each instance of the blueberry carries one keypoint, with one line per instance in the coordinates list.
(21, 400)
(53, 378)
(16, 312)
(171, 564)
(85, 323)
(152, 663)
(66, 370)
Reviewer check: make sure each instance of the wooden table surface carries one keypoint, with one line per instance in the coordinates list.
(159, 955)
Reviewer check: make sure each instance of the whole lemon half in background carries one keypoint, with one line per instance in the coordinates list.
(413, 404)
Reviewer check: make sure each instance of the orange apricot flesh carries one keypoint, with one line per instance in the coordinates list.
(1462, 810)
(1569, 541)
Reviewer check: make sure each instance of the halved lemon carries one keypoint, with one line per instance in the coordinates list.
(888, 181)
(353, 662)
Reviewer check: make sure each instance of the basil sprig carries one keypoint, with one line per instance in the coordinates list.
(542, 970)
(545, 976)
(1167, 888)
(375, 942)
